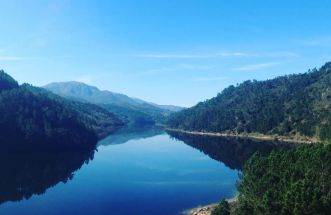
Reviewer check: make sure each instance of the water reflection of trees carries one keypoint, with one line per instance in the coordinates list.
(233, 152)
(27, 174)
(128, 133)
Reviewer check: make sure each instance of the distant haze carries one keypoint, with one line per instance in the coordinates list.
(86, 93)
(130, 110)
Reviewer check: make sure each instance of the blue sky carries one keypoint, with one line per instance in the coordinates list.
(165, 51)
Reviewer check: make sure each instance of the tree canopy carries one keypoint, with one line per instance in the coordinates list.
(295, 181)
(289, 105)
(33, 118)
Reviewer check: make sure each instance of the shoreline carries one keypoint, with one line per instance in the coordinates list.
(207, 209)
(261, 137)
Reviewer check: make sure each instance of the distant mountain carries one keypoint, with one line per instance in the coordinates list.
(293, 105)
(171, 108)
(100, 120)
(84, 92)
(131, 109)
(32, 118)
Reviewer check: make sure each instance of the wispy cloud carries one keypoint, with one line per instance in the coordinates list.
(282, 54)
(179, 67)
(87, 79)
(216, 55)
(93, 78)
(13, 58)
(317, 41)
(218, 78)
(20, 58)
(258, 66)
(192, 55)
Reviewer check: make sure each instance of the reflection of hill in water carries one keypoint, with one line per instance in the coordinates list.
(23, 175)
(233, 152)
(125, 134)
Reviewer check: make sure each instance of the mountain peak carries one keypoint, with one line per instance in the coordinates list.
(92, 94)
(136, 110)
(69, 84)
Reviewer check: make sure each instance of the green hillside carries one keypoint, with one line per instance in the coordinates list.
(33, 118)
(292, 105)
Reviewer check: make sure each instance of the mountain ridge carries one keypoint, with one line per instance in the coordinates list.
(292, 105)
(133, 110)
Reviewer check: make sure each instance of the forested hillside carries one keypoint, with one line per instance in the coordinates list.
(130, 110)
(31, 117)
(99, 119)
(295, 181)
(294, 105)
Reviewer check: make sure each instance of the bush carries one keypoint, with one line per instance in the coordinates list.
(223, 208)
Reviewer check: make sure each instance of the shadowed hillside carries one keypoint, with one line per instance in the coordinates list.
(32, 118)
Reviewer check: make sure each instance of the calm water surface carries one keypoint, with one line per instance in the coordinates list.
(138, 173)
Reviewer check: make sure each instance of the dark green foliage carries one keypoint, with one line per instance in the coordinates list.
(223, 208)
(102, 121)
(32, 118)
(296, 181)
(7, 82)
(28, 119)
(133, 115)
(288, 105)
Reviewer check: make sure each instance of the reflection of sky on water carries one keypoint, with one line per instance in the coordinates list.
(155, 175)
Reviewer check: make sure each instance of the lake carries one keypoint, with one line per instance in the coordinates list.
(133, 172)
